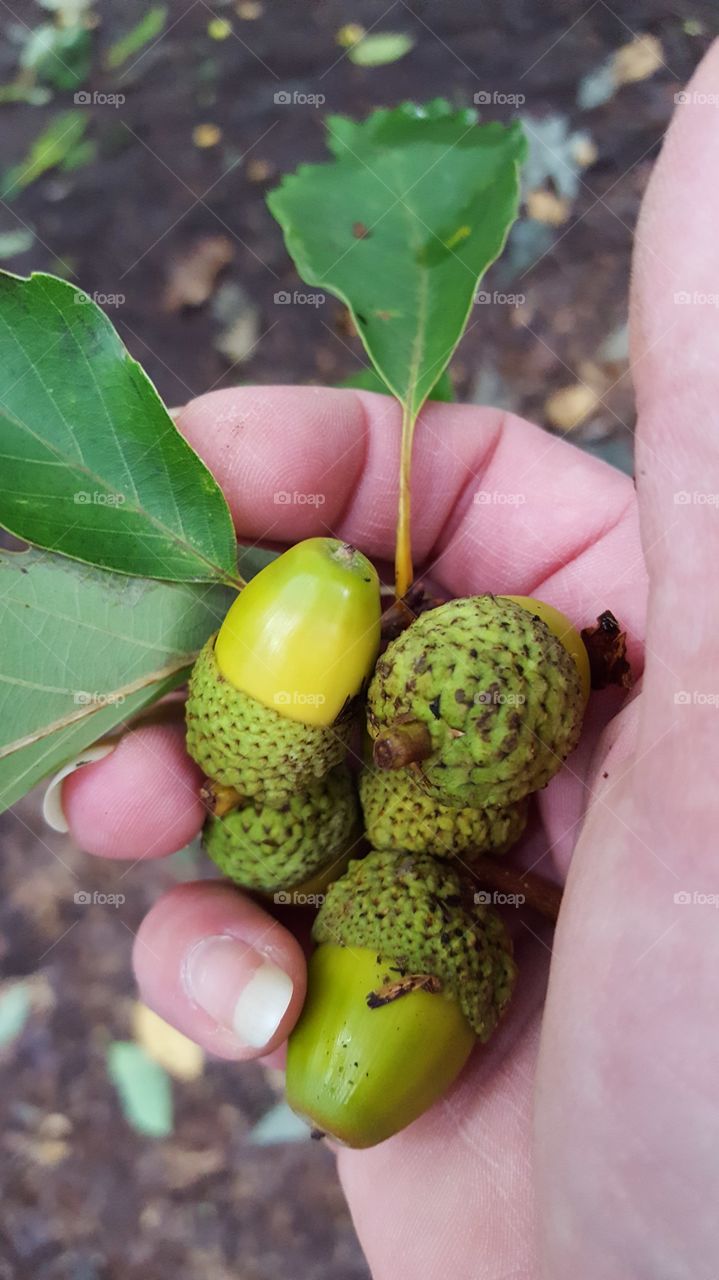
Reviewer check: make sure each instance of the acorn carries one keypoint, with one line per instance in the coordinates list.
(399, 814)
(480, 698)
(293, 847)
(409, 973)
(270, 699)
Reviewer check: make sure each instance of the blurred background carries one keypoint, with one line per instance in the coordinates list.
(138, 142)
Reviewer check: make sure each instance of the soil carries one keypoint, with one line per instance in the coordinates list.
(83, 1196)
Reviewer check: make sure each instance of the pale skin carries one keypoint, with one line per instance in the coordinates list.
(583, 1141)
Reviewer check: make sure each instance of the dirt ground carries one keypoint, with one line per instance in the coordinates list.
(83, 1194)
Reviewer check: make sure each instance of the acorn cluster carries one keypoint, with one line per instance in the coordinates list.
(472, 708)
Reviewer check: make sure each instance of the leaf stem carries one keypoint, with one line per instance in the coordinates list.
(403, 568)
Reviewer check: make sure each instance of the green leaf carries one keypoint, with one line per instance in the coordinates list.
(13, 243)
(380, 49)
(15, 1005)
(148, 28)
(144, 1088)
(369, 380)
(82, 651)
(47, 152)
(401, 226)
(278, 1125)
(59, 55)
(91, 463)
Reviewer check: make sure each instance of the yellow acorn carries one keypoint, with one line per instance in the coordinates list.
(269, 703)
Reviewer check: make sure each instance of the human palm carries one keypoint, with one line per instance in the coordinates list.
(582, 1140)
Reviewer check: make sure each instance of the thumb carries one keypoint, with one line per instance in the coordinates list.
(675, 339)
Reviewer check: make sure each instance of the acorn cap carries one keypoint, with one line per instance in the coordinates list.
(267, 848)
(480, 698)
(416, 914)
(242, 744)
(399, 814)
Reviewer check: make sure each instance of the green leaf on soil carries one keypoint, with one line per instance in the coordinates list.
(380, 49)
(82, 651)
(401, 226)
(48, 151)
(150, 26)
(59, 55)
(279, 1124)
(91, 463)
(144, 1089)
(15, 1005)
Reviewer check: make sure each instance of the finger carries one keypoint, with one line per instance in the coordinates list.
(217, 967)
(141, 801)
(675, 336)
(498, 504)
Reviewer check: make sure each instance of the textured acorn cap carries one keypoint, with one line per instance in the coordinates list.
(267, 848)
(494, 692)
(415, 913)
(241, 743)
(399, 814)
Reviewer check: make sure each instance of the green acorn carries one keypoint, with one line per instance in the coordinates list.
(399, 814)
(268, 849)
(270, 697)
(407, 975)
(481, 698)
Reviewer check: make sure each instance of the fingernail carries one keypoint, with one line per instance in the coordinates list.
(240, 989)
(52, 810)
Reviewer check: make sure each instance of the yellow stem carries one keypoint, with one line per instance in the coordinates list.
(403, 570)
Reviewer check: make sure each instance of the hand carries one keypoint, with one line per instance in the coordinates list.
(622, 1079)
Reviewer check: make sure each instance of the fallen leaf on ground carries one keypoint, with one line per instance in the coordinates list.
(193, 277)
